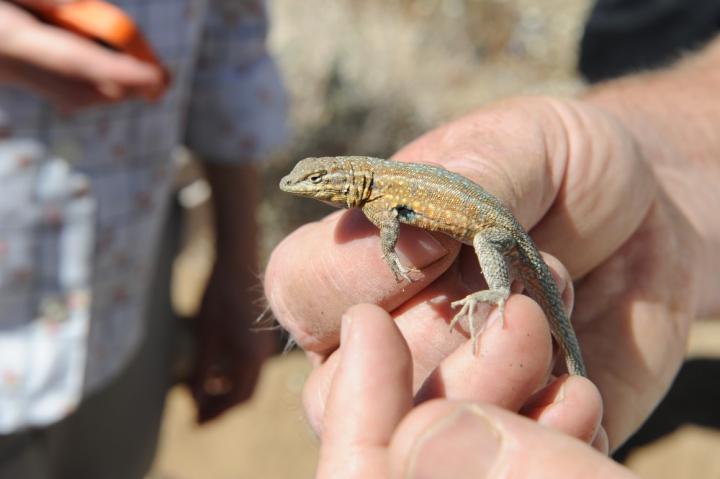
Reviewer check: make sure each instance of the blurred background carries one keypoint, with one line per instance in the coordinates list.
(365, 77)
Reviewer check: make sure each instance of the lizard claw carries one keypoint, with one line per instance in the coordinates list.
(467, 309)
(401, 272)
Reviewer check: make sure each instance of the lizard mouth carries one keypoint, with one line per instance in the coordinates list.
(288, 185)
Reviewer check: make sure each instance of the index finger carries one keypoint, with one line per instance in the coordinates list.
(323, 268)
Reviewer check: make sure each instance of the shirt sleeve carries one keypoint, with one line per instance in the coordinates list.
(237, 108)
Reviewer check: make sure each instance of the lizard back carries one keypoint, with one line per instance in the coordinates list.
(433, 198)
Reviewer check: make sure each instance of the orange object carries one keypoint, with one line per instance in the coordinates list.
(106, 24)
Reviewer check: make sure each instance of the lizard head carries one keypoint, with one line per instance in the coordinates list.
(333, 180)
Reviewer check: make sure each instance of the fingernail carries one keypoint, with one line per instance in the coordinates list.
(466, 443)
(419, 248)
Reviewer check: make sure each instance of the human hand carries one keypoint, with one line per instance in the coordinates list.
(229, 352)
(573, 175)
(372, 429)
(523, 383)
(70, 71)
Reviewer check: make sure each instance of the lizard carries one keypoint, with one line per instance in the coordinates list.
(432, 198)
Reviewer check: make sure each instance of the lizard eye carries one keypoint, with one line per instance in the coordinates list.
(315, 178)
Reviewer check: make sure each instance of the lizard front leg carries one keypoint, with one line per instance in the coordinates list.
(491, 246)
(389, 225)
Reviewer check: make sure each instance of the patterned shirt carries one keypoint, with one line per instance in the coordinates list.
(84, 195)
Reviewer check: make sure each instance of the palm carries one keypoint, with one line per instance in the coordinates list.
(632, 316)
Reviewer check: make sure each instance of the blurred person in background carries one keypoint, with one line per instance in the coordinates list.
(86, 176)
(620, 186)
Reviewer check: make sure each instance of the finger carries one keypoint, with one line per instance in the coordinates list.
(571, 405)
(423, 321)
(554, 163)
(513, 360)
(66, 54)
(443, 362)
(370, 393)
(323, 268)
(462, 440)
(316, 391)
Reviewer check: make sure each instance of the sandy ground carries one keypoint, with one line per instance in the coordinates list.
(265, 438)
(352, 92)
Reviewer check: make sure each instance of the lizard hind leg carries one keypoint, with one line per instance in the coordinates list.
(491, 246)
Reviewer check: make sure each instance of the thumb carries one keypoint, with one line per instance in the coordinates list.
(445, 439)
(566, 169)
(370, 393)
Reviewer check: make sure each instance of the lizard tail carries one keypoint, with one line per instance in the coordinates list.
(540, 286)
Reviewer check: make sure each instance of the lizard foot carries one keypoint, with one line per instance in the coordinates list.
(400, 271)
(467, 309)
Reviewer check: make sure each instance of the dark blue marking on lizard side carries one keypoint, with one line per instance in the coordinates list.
(405, 213)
